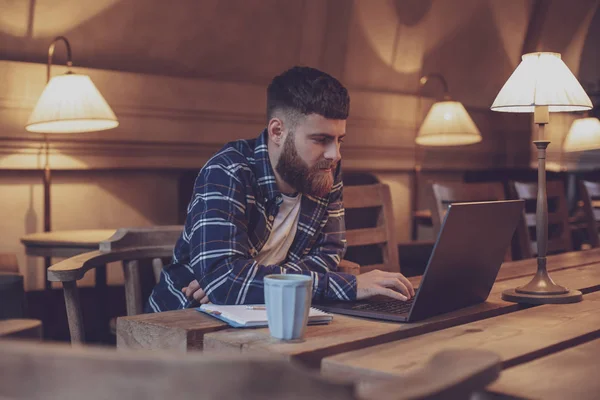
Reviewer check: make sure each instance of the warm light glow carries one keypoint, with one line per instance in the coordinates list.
(583, 135)
(71, 103)
(448, 124)
(542, 79)
(41, 19)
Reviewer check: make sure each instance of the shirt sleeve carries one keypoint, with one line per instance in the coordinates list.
(220, 255)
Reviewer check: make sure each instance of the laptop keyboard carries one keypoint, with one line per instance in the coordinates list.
(392, 306)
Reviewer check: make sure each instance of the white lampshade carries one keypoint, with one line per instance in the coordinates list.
(542, 79)
(448, 124)
(71, 103)
(583, 135)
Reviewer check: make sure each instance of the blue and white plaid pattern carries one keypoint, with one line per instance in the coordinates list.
(229, 220)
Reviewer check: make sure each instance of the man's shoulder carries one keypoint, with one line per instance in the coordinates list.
(234, 158)
(236, 151)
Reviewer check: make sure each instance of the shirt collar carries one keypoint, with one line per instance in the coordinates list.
(265, 176)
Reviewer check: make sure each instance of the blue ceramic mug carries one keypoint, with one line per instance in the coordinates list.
(287, 299)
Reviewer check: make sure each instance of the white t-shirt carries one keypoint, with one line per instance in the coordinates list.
(283, 232)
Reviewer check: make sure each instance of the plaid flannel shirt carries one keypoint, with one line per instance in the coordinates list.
(229, 219)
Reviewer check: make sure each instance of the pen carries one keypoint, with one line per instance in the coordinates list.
(256, 308)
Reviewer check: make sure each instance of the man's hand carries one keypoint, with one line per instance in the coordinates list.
(194, 291)
(390, 284)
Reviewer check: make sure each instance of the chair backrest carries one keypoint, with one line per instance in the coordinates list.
(376, 202)
(447, 193)
(135, 248)
(59, 371)
(590, 195)
(559, 231)
(444, 194)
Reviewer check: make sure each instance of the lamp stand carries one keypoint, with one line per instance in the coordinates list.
(542, 289)
(47, 181)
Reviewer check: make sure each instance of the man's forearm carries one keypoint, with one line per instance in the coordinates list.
(242, 282)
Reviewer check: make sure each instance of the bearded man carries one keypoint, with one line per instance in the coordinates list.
(273, 205)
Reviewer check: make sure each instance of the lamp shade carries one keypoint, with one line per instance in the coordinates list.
(448, 124)
(583, 135)
(71, 103)
(542, 79)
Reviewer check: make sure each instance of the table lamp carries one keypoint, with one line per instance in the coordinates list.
(541, 83)
(583, 135)
(70, 103)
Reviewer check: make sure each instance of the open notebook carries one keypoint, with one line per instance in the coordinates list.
(249, 316)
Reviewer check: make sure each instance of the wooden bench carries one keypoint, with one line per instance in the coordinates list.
(59, 371)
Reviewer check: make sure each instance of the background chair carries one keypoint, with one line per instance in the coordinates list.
(590, 196)
(8, 263)
(64, 372)
(559, 231)
(12, 292)
(370, 231)
(444, 194)
(135, 248)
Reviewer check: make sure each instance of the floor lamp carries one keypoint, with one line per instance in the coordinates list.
(541, 83)
(70, 103)
(447, 123)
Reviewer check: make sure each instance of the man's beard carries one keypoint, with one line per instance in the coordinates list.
(296, 173)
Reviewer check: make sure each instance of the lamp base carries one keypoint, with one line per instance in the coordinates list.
(571, 296)
(542, 290)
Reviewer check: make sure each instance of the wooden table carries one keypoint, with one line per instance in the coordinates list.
(181, 330)
(65, 244)
(195, 331)
(523, 339)
(21, 328)
(347, 334)
(570, 373)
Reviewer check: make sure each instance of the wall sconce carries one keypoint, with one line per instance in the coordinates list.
(447, 123)
(583, 135)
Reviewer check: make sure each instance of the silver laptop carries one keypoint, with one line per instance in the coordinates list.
(462, 267)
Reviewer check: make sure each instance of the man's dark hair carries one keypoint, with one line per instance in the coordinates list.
(307, 91)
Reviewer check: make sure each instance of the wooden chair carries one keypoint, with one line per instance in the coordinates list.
(444, 194)
(590, 196)
(374, 201)
(559, 231)
(131, 246)
(84, 372)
